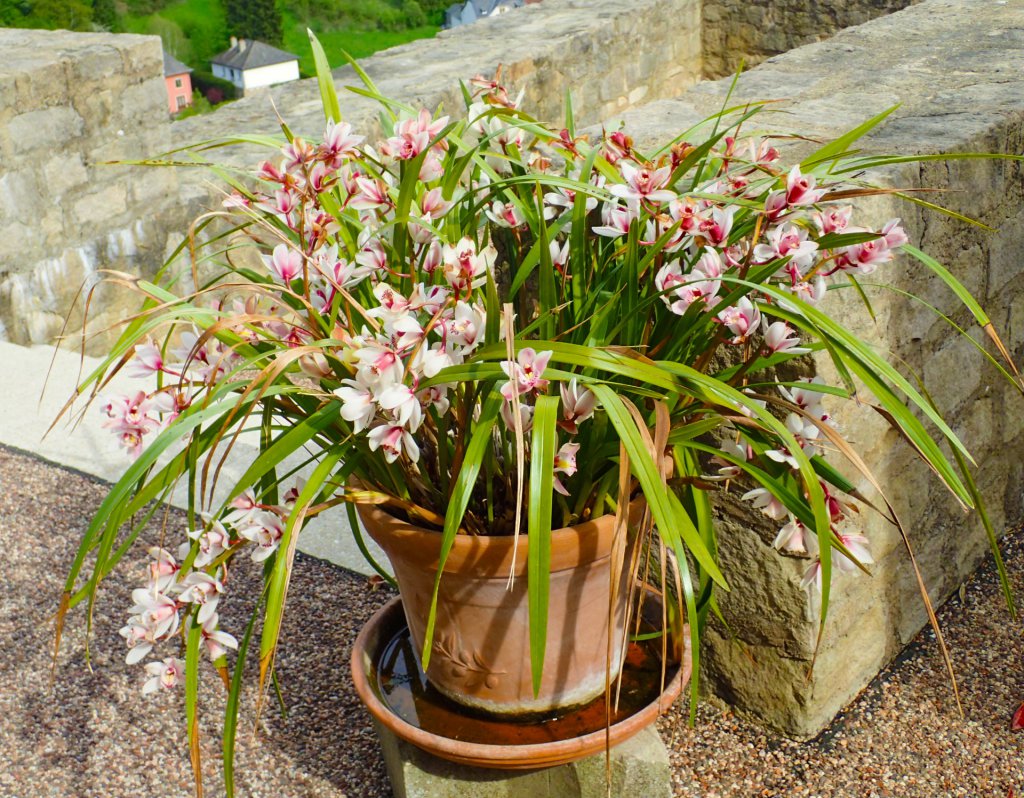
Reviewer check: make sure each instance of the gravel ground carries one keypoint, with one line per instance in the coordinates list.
(93, 734)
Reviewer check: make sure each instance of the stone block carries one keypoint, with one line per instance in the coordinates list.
(17, 242)
(8, 91)
(1007, 256)
(99, 109)
(637, 94)
(640, 767)
(61, 175)
(142, 55)
(953, 373)
(41, 82)
(149, 185)
(100, 207)
(146, 101)
(96, 63)
(20, 195)
(50, 129)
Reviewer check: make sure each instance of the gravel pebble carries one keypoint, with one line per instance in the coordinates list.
(92, 733)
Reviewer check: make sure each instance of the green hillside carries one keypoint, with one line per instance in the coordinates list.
(195, 30)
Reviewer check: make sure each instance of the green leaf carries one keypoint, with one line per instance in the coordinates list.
(465, 481)
(672, 521)
(231, 708)
(193, 643)
(357, 533)
(325, 80)
(836, 240)
(280, 575)
(954, 285)
(542, 459)
(837, 147)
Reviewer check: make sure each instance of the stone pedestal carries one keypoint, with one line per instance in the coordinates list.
(639, 768)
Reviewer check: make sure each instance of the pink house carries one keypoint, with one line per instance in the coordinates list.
(179, 84)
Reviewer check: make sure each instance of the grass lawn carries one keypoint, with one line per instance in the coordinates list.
(357, 43)
(196, 30)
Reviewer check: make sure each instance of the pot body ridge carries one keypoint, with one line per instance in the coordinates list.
(481, 650)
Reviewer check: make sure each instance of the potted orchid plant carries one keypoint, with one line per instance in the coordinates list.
(487, 329)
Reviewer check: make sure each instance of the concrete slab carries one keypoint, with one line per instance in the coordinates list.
(35, 383)
(639, 767)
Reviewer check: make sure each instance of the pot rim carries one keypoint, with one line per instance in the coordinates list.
(495, 555)
(502, 757)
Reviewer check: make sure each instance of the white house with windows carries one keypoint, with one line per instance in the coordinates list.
(250, 64)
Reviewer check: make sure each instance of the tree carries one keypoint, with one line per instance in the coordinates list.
(254, 19)
(13, 13)
(105, 15)
(56, 14)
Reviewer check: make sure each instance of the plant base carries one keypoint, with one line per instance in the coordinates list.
(640, 767)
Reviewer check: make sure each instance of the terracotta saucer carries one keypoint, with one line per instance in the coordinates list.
(390, 621)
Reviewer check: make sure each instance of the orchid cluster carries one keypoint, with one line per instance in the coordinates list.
(194, 583)
(375, 270)
(472, 317)
(191, 365)
(426, 314)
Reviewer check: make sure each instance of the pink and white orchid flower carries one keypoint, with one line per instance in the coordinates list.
(742, 319)
(565, 463)
(644, 184)
(780, 337)
(285, 263)
(578, 404)
(165, 675)
(525, 374)
(393, 441)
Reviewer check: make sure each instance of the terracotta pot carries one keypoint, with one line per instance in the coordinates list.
(481, 651)
(505, 751)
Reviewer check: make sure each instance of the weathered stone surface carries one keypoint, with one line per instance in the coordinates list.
(97, 207)
(831, 87)
(749, 31)
(74, 97)
(640, 767)
(50, 129)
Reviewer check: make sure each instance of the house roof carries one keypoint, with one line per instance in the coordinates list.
(250, 54)
(172, 66)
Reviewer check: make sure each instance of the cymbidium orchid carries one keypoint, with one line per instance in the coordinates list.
(468, 292)
(525, 374)
(791, 537)
(164, 675)
(565, 463)
(265, 530)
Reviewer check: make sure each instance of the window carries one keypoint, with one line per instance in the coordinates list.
(181, 100)
(177, 83)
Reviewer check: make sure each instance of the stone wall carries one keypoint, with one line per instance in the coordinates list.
(96, 97)
(746, 32)
(69, 102)
(978, 106)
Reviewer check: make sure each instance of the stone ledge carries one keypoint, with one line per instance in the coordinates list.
(974, 102)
